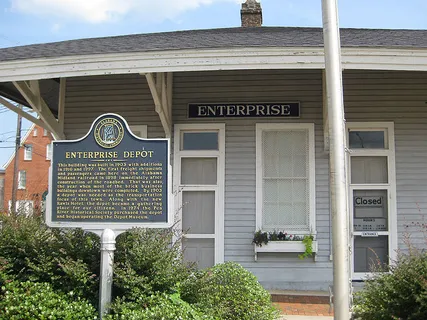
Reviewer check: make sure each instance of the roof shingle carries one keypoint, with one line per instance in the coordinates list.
(218, 38)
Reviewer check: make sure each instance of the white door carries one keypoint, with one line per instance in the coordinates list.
(372, 199)
(199, 189)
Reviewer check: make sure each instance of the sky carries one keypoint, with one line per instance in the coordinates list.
(39, 21)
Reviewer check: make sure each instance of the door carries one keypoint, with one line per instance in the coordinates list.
(372, 199)
(199, 190)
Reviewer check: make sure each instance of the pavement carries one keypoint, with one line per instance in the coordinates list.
(290, 317)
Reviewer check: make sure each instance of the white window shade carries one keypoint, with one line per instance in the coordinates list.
(285, 177)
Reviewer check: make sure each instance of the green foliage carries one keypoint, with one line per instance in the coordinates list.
(33, 301)
(160, 306)
(147, 262)
(228, 291)
(68, 259)
(308, 243)
(400, 293)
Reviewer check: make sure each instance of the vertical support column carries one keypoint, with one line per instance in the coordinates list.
(108, 246)
(340, 238)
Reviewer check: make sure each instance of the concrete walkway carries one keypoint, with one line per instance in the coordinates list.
(289, 317)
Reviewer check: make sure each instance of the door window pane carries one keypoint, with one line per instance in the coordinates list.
(370, 253)
(366, 139)
(365, 170)
(370, 210)
(198, 212)
(200, 251)
(199, 141)
(198, 171)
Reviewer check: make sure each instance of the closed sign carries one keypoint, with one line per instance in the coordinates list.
(368, 201)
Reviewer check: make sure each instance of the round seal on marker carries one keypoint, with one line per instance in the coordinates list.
(108, 132)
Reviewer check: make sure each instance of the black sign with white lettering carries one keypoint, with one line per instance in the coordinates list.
(243, 110)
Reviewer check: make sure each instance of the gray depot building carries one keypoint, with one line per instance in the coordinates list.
(246, 111)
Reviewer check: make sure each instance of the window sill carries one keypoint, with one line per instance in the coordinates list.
(283, 246)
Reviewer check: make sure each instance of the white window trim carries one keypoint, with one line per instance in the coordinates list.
(219, 188)
(35, 132)
(390, 153)
(28, 155)
(141, 128)
(260, 127)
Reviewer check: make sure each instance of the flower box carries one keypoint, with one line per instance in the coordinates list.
(283, 246)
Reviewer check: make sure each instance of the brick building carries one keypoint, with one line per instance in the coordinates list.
(33, 170)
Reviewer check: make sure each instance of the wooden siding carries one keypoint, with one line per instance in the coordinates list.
(400, 97)
(280, 270)
(369, 96)
(87, 98)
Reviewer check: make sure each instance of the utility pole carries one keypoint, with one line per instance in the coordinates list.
(339, 208)
(16, 162)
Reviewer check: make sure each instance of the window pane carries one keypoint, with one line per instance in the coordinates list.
(286, 205)
(28, 152)
(199, 141)
(369, 170)
(366, 139)
(201, 251)
(370, 253)
(198, 212)
(285, 180)
(370, 210)
(22, 179)
(199, 171)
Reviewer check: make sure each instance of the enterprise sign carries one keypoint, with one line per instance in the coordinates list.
(243, 110)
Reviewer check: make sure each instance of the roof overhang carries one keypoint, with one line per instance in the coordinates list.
(210, 60)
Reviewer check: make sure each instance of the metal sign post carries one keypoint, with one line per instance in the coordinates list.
(108, 246)
(107, 182)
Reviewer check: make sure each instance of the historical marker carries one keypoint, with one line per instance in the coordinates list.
(109, 179)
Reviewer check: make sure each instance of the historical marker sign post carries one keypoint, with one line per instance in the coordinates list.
(107, 182)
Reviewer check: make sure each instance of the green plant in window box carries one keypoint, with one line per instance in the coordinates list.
(263, 238)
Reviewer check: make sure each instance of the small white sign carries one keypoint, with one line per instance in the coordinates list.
(369, 234)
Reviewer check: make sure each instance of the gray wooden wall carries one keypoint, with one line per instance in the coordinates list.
(369, 96)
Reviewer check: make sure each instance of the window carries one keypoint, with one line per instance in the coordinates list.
(28, 153)
(45, 132)
(285, 177)
(139, 130)
(22, 207)
(49, 152)
(22, 179)
(35, 132)
(372, 199)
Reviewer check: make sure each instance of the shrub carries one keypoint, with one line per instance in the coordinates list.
(228, 291)
(68, 259)
(400, 293)
(160, 306)
(32, 301)
(147, 262)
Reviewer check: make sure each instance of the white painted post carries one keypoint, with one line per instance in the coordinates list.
(340, 235)
(108, 245)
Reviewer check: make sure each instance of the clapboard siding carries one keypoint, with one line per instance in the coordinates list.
(400, 97)
(273, 270)
(369, 96)
(127, 95)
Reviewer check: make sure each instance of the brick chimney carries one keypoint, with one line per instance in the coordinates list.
(251, 14)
